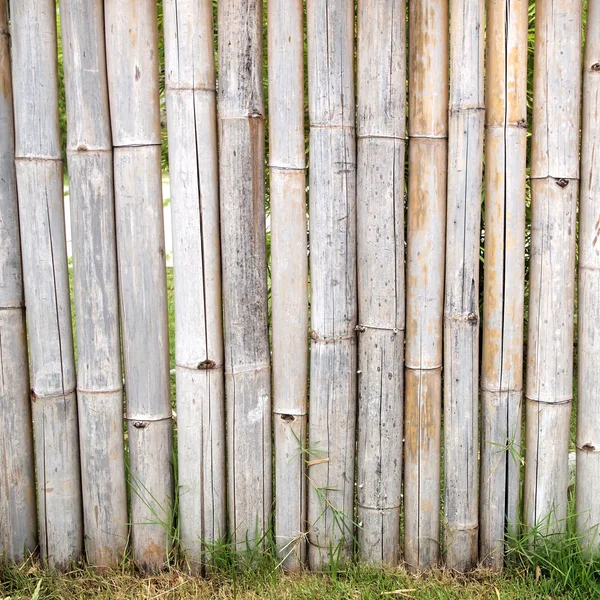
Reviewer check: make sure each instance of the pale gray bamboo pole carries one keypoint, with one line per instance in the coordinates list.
(333, 383)
(193, 165)
(99, 378)
(502, 363)
(45, 270)
(289, 273)
(461, 307)
(242, 194)
(554, 188)
(428, 162)
(381, 131)
(132, 63)
(18, 520)
(588, 413)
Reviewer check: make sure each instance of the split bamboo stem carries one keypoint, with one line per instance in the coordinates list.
(289, 273)
(554, 183)
(503, 304)
(461, 308)
(193, 164)
(588, 414)
(333, 385)
(242, 193)
(18, 520)
(132, 62)
(45, 270)
(99, 379)
(381, 131)
(428, 162)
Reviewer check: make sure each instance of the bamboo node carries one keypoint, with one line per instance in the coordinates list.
(563, 183)
(207, 364)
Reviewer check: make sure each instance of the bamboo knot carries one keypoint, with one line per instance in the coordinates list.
(563, 183)
(140, 424)
(595, 66)
(587, 448)
(522, 123)
(207, 364)
(288, 418)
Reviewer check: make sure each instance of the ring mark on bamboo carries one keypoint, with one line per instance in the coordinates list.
(550, 402)
(314, 336)
(35, 397)
(362, 328)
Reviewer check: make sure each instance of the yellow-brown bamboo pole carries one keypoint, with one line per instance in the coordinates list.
(554, 189)
(502, 362)
(428, 162)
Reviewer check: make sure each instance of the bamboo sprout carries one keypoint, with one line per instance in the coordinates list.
(18, 524)
(242, 194)
(99, 380)
(40, 188)
(192, 124)
(289, 273)
(428, 133)
(380, 235)
(132, 61)
(461, 309)
(330, 34)
(502, 362)
(554, 183)
(588, 415)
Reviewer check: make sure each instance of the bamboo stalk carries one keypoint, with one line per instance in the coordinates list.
(333, 385)
(380, 256)
(18, 520)
(588, 414)
(99, 380)
(554, 175)
(428, 134)
(242, 193)
(502, 362)
(289, 273)
(40, 188)
(132, 62)
(461, 307)
(192, 125)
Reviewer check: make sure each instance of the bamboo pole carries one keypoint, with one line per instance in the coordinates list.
(461, 307)
(18, 520)
(428, 147)
(330, 34)
(289, 273)
(554, 183)
(192, 125)
(40, 188)
(588, 414)
(99, 379)
(132, 62)
(381, 117)
(242, 194)
(502, 362)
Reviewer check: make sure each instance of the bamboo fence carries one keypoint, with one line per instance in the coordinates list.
(347, 456)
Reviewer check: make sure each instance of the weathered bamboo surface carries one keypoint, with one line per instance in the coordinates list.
(428, 161)
(46, 281)
(554, 183)
(193, 165)
(381, 117)
(242, 193)
(588, 417)
(461, 308)
(132, 61)
(289, 274)
(99, 377)
(503, 304)
(333, 385)
(18, 520)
